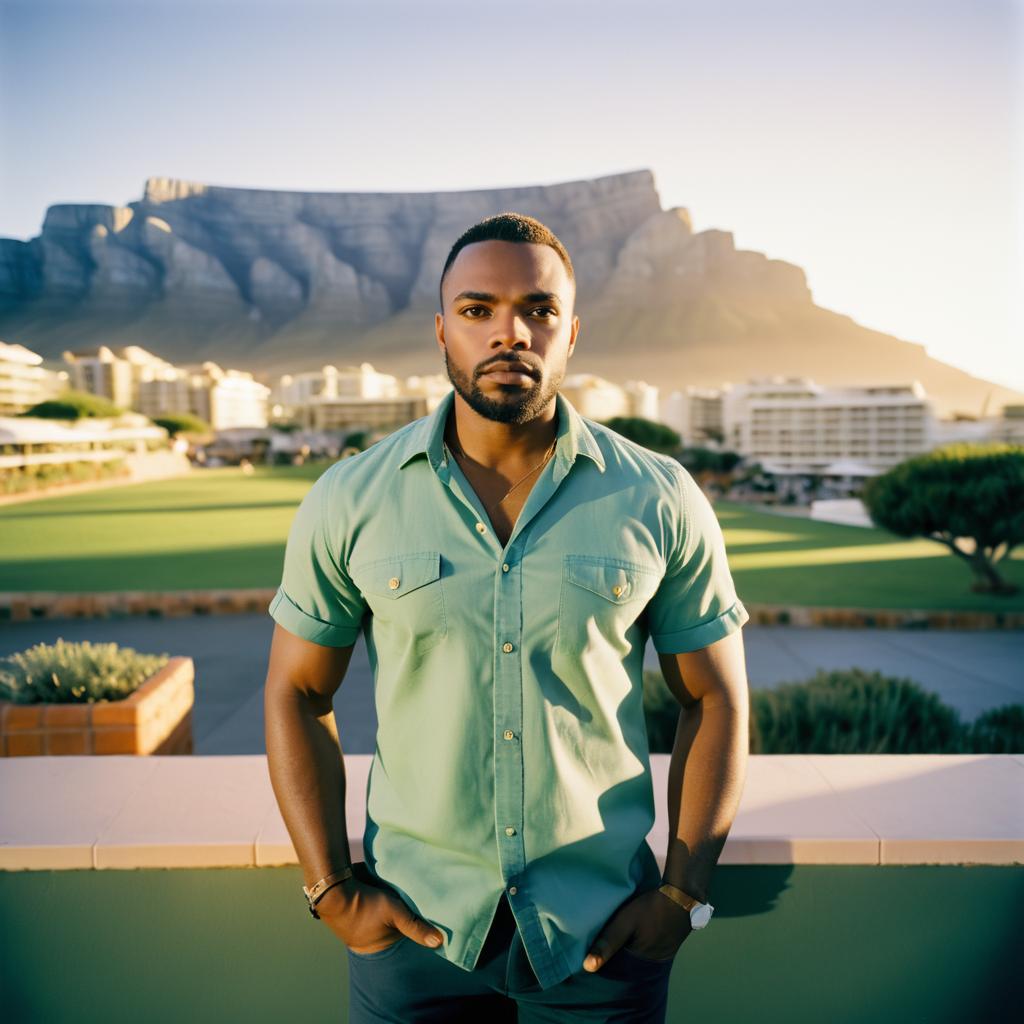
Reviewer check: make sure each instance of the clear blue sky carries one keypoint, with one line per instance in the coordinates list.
(877, 144)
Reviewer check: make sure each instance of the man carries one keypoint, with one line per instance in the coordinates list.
(508, 560)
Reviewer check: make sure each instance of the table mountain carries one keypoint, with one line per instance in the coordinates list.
(284, 281)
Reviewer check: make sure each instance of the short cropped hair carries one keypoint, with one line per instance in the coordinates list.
(507, 227)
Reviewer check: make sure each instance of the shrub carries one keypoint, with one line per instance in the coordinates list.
(852, 712)
(73, 405)
(75, 673)
(176, 423)
(849, 712)
(997, 731)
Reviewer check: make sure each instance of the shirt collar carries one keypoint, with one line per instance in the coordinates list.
(573, 438)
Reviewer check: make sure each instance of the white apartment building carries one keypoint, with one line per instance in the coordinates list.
(642, 399)
(695, 413)
(118, 373)
(361, 413)
(24, 381)
(793, 424)
(293, 391)
(431, 387)
(600, 399)
(1009, 426)
(595, 397)
(102, 372)
(226, 398)
(134, 378)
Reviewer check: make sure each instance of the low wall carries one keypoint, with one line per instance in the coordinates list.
(852, 889)
(24, 607)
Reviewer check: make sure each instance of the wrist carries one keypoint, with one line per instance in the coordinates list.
(316, 893)
(337, 899)
(689, 891)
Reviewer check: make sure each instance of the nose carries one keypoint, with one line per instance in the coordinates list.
(510, 330)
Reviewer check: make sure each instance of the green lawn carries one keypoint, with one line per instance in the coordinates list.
(221, 528)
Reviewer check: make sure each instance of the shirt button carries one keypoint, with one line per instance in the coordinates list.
(480, 528)
(504, 567)
(616, 590)
(507, 647)
(512, 890)
(510, 831)
(509, 734)
(393, 583)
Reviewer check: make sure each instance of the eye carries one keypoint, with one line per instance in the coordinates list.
(468, 311)
(545, 311)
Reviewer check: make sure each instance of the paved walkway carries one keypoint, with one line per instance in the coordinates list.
(971, 671)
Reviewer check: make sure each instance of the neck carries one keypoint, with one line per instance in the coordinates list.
(493, 444)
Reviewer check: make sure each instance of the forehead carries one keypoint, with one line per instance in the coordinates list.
(508, 269)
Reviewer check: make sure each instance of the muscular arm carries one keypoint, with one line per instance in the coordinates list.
(307, 770)
(709, 758)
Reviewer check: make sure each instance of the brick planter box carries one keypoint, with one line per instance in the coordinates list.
(155, 719)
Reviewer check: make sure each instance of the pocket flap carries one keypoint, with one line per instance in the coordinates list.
(400, 575)
(615, 583)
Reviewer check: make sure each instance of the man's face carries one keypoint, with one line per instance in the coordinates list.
(507, 302)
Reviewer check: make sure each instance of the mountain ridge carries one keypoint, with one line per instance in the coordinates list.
(280, 281)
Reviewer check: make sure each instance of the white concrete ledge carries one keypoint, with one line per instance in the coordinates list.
(174, 812)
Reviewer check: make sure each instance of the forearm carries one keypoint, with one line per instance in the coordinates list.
(705, 782)
(307, 772)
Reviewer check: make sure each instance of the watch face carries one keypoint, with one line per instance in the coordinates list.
(701, 915)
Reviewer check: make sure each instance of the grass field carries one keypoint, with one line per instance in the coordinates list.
(221, 528)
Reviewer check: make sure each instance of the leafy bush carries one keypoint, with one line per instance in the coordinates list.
(73, 405)
(176, 423)
(75, 673)
(852, 712)
(651, 434)
(849, 712)
(997, 731)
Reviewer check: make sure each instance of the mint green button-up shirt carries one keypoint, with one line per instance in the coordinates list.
(511, 749)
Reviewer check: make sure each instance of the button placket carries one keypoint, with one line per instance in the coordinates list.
(508, 697)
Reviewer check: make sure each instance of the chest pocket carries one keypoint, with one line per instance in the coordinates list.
(600, 599)
(405, 594)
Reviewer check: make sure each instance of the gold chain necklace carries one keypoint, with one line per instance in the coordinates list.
(458, 451)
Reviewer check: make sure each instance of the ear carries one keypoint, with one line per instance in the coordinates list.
(439, 330)
(574, 331)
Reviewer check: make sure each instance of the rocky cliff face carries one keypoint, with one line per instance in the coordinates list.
(287, 281)
(346, 258)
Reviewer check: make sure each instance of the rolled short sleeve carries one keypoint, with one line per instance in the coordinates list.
(317, 599)
(696, 603)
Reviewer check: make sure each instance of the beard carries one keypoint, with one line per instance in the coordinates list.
(515, 404)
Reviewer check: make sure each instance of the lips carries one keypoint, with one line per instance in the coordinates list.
(510, 370)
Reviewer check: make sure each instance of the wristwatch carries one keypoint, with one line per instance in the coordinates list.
(700, 913)
(315, 893)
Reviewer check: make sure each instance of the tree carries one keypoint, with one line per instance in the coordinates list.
(656, 436)
(176, 423)
(700, 460)
(73, 405)
(957, 493)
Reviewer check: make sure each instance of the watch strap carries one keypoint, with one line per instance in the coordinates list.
(676, 895)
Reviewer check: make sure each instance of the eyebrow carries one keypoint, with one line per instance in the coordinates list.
(488, 297)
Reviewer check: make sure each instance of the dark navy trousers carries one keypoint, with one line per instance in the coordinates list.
(407, 983)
